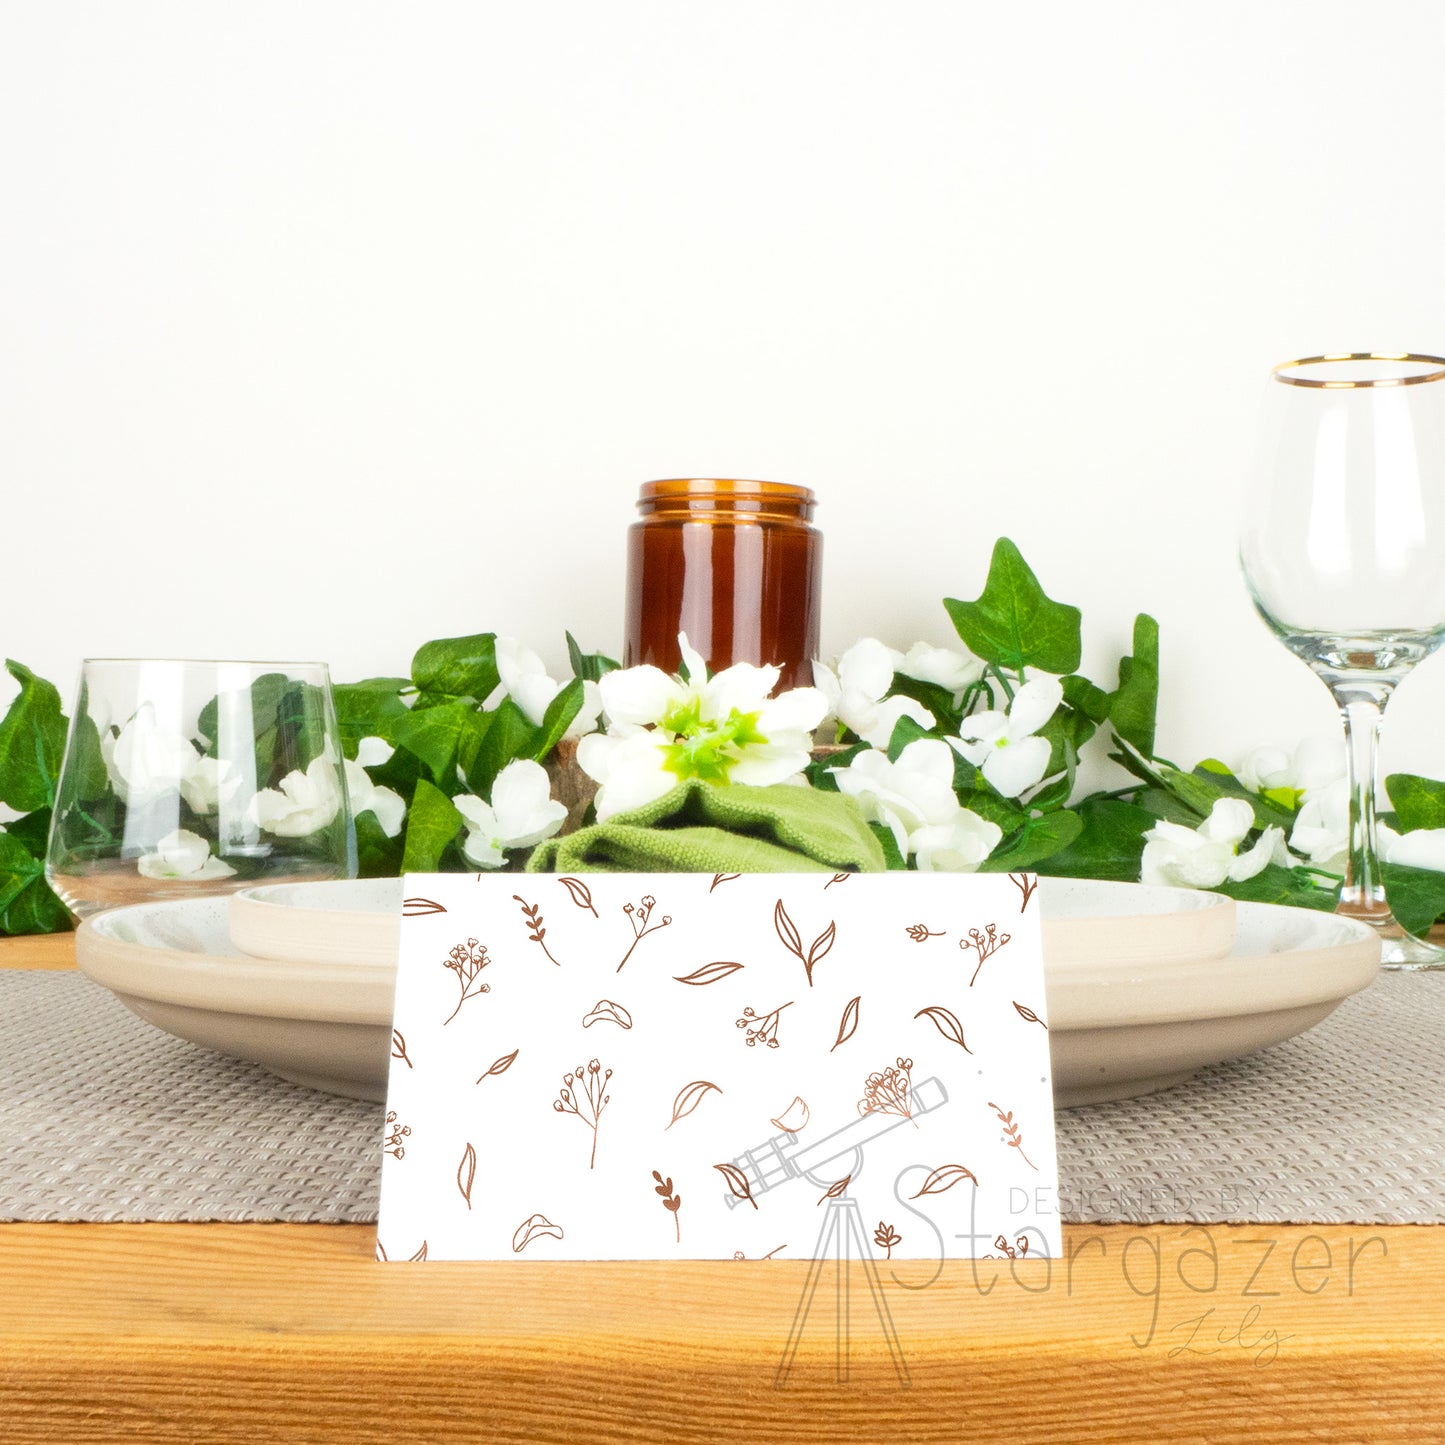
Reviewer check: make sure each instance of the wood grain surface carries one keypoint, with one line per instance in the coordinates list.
(258, 1333)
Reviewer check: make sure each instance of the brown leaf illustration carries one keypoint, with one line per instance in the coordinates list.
(380, 1253)
(794, 1118)
(581, 893)
(836, 1191)
(1028, 1015)
(836, 878)
(398, 1046)
(946, 1022)
(530, 1228)
(787, 930)
(945, 1177)
(708, 973)
(723, 878)
(688, 1098)
(420, 907)
(467, 1173)
(1012, 1133)
(848, 1024)
(604, 1011)
(821, 944)
(737, 1182)
(500, 1066)
(419, 1255)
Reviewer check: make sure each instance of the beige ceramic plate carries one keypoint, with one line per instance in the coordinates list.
(1119, 1027)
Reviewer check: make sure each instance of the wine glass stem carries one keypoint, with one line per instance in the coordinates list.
(1362, 708)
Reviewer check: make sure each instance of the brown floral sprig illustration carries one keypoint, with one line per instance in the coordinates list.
(500, 1066)
(987, 943)
(848, 1024)
(921, 933)
(581, 893)
(1025, 883)
(688, 1098)
(792, 940)
(1011, 1132)
(584, 1093)
(943, 1178)
(709, 973)
(670, 1201)
(762, 1029)
(420, 907)
(534, 1226)
(1028, 1015)
(722, 878)
(1017, 1250)
(398, 1047)
(836, 878)
(737, 1182)
(639, 917)
(532, 912)
(604, 1011)
(885, 1237)
(946, 1022)
(467, 960)
(738, 1254)
(397, 1134)
(467, 1173)
(836, 1190)
(890, 1092)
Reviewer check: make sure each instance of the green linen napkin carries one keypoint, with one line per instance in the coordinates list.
(700, 828)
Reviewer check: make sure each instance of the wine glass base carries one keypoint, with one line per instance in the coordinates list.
(1404, 952)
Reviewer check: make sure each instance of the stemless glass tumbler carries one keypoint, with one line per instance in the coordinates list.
(186, 777)
(1343, 550)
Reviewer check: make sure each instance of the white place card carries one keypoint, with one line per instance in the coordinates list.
(689, 1066)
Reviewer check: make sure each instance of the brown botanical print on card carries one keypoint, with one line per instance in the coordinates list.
(837, 1190)
(581, 893)
(1012, 1134)
(420, 907)
(584, 1094)
(709, 973)
(890, 1091)
(640, 917)
(1028, 1015)
(534, 1226)
(762, 1028)
(793, 1119)
(604, 1011)
(792, 940)
(670, 1201)
(688, 1098)
(467, 960)
(722, 878)
(532, 912)
(1025, 883)
(986, 943)
(944, 1178)
(737, 1183)
(398, 1047)
(499, 1066)
(946, 1022)
(397, 1134)
(885, 1237)
(921, 933)
(848, 1024)
(467, 1173)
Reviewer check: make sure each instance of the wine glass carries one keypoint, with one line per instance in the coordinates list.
(189, 777)
(1343, 550)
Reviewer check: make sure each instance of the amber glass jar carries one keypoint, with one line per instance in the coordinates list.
(735, 565)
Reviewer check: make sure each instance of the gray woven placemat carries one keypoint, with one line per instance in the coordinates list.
(105, 1118)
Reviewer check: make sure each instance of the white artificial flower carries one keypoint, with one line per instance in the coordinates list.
(946, 667)
(373, 752)
(1003, 744)
(522, 812)
(388, 805)
(724, 729)
(145, 762)
(1207, 856)
(183, 856)
(1321, 829)
(208, 784)
(957, 847)
(525, 681)
(913, 793)
(1315, 763)
(856, 693)
(304, 804)
(1424, 848)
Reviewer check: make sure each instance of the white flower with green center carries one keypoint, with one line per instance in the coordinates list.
(1005, 746)
(725, 729)
(1206, 856)
(522, 812)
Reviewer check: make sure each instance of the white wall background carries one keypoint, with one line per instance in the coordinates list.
(326, 328)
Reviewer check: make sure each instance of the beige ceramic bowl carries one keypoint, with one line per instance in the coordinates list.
(1122, 1022)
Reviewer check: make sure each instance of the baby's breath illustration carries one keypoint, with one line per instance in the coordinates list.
(584, 1094)
(467, 960)
(985, 942)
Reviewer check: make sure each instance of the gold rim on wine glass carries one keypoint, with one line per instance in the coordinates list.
(1437, 373)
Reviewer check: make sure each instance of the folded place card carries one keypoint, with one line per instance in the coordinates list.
(690, 1066)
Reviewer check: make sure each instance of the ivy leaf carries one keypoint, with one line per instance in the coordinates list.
(266, 693)
(984, 801)
(1109, 845)
(1013, 624)
(377, 856)
(1065, 730)
(1267, 811)
(905, 731)
(431, 825)
(32, 742)
(508, 736)
(368, 709)
(444, 738)
(590, 666)
(1039, 838)
(1416, 896)
(26, 903)
(938, 700)
(1418, 802)
(1086, 697)
(1292, 886)
(561, 713)
(1134, 706)
(894, 859)
(458, 666)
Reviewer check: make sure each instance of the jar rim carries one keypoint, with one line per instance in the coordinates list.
(678, 487)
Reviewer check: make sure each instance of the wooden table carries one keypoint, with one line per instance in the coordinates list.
(250, 1333)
